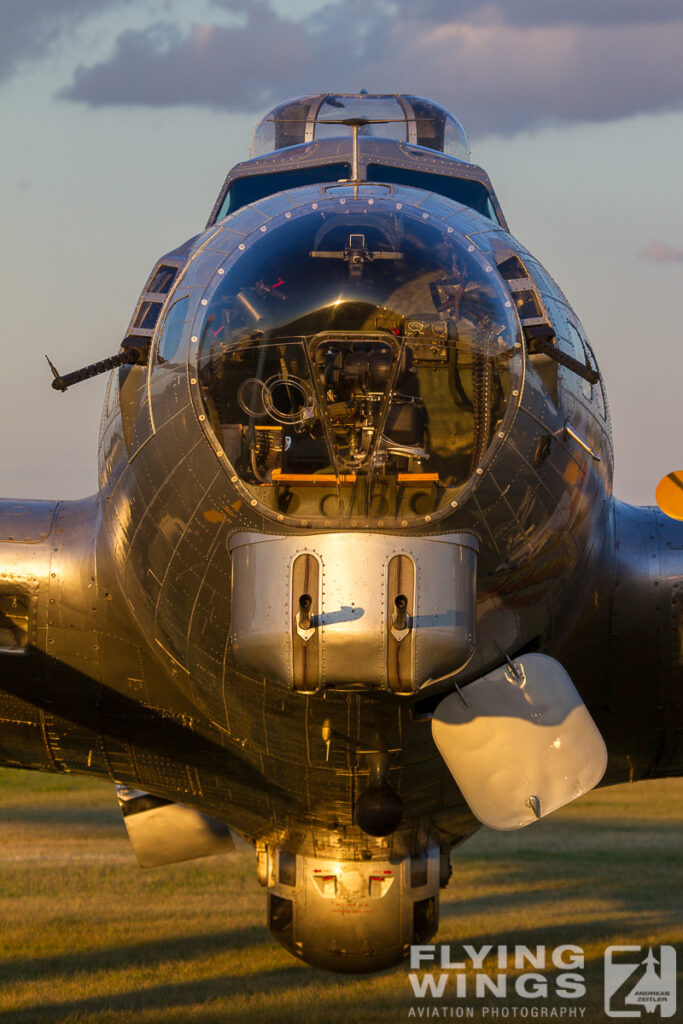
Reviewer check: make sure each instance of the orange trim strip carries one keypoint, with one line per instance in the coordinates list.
(418, 478)
(324, 479)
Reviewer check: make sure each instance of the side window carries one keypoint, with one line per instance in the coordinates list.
(599, 387)
(162, 280)
(551, 336)
(113, 394)
(530, 310)
(577, 348)
(147, 315)
(512, 268)
(524, 293)
(172, 332)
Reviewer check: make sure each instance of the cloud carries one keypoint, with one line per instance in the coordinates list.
(500, 67)
(550, 12)
(240, 67)
(506, 78)
(661, 252)
(30, 29)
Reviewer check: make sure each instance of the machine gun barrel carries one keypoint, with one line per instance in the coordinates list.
(129, 355)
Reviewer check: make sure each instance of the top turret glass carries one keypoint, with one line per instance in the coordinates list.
(410, 119)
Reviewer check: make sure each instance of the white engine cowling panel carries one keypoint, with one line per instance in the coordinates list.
(162, 832)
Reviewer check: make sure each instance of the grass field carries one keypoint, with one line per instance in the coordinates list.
(87, 936)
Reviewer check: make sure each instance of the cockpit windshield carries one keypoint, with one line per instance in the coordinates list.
(356, 365)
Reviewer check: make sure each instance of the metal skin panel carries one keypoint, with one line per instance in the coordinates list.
(520, 743)
(129, 673)
(352, 916)
(305, 609)
(355, 608)
(26, 522)
(401, 612)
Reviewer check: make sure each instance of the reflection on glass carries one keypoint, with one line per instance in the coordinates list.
(403, 118)
(163, 279)
(357, 365)
(438, 129)
(172, 331)
(373, 108)
(253, 187)
(147, 316)
(469, 193)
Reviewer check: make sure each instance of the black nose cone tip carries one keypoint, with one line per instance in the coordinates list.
(379, 810)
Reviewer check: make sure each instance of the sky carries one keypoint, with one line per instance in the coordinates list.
(119, 121)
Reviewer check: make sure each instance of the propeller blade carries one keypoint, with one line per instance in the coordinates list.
(669, 495)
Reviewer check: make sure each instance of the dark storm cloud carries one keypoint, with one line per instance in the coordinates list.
(500, 67)
(30, 27)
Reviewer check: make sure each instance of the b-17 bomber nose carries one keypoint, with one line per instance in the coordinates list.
(358, 364)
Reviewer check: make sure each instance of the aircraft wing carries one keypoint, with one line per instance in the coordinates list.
(26, 534)
(79, 689)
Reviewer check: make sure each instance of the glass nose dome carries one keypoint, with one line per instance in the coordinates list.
(356, 365)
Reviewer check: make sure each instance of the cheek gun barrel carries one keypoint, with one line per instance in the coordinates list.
(130, 355)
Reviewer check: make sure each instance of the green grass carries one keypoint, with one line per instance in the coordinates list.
(87, 936)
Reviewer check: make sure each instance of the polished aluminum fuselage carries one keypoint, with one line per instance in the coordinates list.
(132, 671)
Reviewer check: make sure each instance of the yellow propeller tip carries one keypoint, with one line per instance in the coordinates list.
(669, 494)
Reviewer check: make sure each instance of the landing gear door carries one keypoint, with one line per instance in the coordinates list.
(519, 742)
